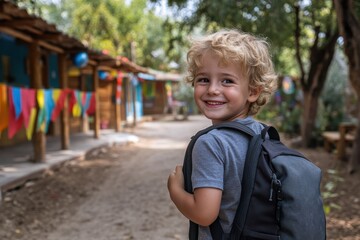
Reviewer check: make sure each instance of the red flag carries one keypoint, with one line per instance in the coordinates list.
(92, 105)
(28, 102)
(59, 104)
(72, 99)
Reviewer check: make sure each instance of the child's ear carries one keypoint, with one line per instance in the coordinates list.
(254, 94)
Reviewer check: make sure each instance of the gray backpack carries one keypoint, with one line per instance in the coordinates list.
(280, 197)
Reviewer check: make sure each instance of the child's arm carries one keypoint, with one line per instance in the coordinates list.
(202, 207)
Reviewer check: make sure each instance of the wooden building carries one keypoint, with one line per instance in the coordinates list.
(34, 55)
(158, 91)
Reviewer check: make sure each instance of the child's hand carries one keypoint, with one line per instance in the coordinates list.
(176, 179)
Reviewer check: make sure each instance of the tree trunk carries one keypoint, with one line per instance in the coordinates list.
(310, 107)
(312, 83)
(349, 26)
(354, 162)
(321, 58)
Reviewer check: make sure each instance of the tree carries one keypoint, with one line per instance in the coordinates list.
(348, 15)
(308, 27)
(321, 52)
(126, 28)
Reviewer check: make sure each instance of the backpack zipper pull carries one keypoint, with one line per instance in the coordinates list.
(273, 180)
(279, 198)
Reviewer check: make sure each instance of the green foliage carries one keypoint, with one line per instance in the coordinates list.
(184, 92)
(250, 16)
(329, 190)
(285, 115)
(332, 101)
(125, 28)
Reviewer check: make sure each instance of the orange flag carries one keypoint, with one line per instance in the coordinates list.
(4, 109)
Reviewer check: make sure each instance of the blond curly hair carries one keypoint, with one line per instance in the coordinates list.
(249, 52)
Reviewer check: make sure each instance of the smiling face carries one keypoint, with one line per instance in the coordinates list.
(221, 91)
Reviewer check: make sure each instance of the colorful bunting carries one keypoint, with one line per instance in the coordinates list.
(18, 107)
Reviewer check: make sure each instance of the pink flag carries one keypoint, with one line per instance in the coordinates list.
(28, 102)
(14, 123)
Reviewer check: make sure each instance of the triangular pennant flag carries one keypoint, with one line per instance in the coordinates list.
(87, 101)
(92, 105)
(40, 125)
(4, 107)
(30, 128)
(49, 106)
(72, 99)
(40, 96)
(15, 123)
(56, 94)
(28, 102)
(41, 119)
(16, 98)
(76, 111)
(59, 104)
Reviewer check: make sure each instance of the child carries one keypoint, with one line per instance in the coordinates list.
(233, 76)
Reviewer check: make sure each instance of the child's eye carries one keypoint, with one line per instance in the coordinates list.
(228, 81)
(202, 80)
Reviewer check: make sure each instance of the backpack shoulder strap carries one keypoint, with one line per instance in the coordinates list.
(187, 167)
(247, 183)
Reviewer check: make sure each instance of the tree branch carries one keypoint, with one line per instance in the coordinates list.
(297, 46)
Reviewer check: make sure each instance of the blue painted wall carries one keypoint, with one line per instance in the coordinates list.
(139, 102)
(54, 81)
(17, 52)
(133, 86)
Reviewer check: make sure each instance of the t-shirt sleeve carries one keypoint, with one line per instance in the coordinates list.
(208, 163)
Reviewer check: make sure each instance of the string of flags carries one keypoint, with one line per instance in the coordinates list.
(33, 109)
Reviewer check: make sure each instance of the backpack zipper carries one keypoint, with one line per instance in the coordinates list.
(276, 185)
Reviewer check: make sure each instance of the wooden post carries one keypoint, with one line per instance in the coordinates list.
(134, 103)
(64, 117)
(39, 139)
(117, 107)
(97, 110)
(84, 120)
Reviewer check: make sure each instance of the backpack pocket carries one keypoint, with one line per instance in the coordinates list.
(251, 235)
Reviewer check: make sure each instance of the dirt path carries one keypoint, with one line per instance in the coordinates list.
(133, 202)
(120, 193)
(125, 198)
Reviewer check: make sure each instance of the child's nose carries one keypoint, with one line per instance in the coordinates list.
(214, 88)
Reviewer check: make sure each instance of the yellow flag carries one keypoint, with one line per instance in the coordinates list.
(56, 95)
(30, 128)
(76, 110)
(40, 96)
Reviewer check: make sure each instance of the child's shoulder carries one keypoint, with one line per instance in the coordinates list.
(226, 134)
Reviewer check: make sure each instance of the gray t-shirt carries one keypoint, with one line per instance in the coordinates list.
(218, 162)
